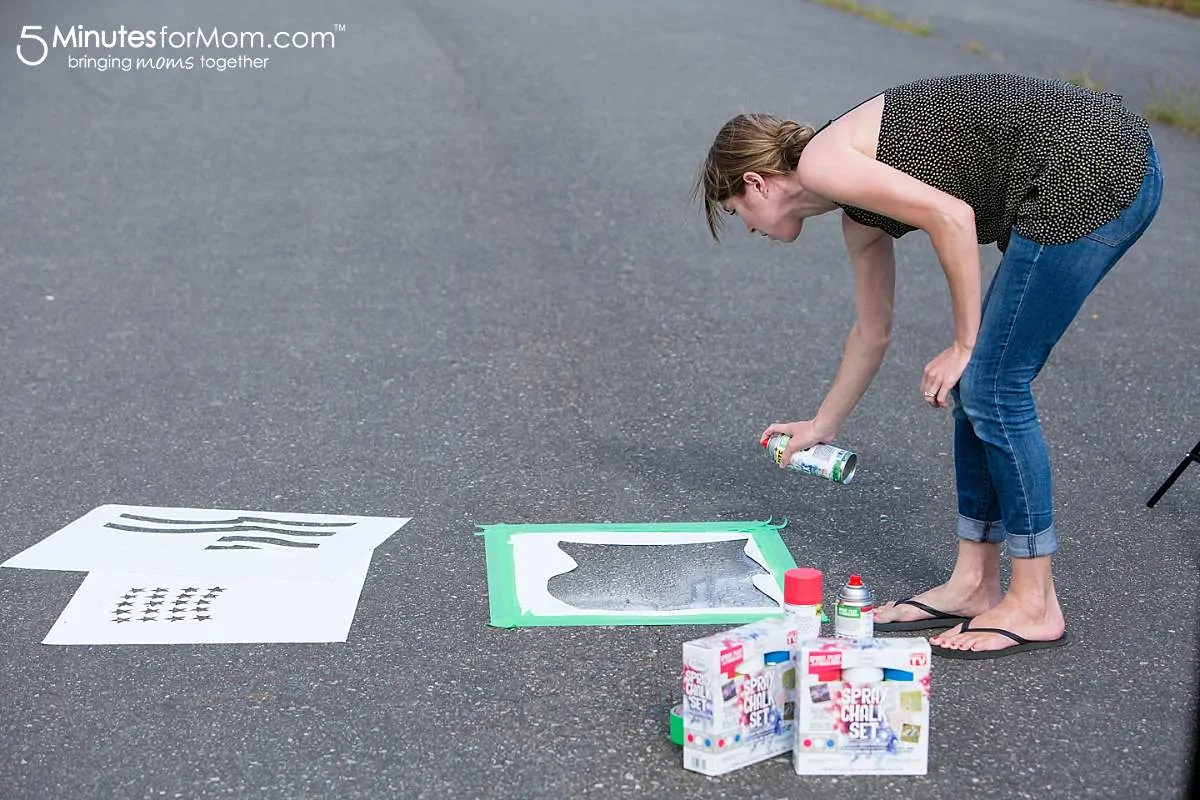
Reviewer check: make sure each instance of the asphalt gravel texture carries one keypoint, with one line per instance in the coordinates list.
(447, 269)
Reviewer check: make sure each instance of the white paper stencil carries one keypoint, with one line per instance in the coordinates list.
(131, 608)
(537, 558)
(219, 543)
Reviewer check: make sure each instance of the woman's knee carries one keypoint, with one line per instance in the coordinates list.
(977, 395)
(989, 399)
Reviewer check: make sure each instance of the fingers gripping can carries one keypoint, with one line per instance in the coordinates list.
(823, 460)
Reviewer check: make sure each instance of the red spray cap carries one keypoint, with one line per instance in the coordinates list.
(802, 587)
(855, 580)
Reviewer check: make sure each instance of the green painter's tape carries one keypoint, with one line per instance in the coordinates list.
(751, 526)
(505, 611)
(568, 621)
(502, 586)
(677, 724)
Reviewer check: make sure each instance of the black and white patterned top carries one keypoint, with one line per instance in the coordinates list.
(1051, 159)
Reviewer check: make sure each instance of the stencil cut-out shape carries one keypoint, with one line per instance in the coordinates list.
(248, 610)
(221, 543)
(181, 575)
(631, 577)
(522, 560)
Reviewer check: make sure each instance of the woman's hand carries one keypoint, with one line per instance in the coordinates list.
(942, 374)
(804, 435)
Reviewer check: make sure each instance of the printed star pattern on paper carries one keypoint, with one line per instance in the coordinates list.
(216, 575)
(184, 606)
(244, 611)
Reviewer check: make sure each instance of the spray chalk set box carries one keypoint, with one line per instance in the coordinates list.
(738, 695)
(862, 707)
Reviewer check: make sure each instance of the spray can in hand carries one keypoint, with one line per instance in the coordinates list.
(855, 617)
(822, 460)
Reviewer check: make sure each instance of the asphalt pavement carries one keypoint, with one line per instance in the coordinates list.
(447, 269)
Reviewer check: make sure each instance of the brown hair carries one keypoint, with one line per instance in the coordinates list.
(758, 143)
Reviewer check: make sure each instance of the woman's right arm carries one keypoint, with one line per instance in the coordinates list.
(874, 262)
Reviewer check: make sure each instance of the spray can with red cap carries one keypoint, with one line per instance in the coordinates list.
(855, 614)
(802, 589)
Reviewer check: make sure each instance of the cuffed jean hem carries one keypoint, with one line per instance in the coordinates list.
(1032, 545)
(974, 530)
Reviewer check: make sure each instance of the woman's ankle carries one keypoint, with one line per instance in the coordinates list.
(977, 569)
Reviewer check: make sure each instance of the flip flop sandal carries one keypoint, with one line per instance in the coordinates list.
(1022, 645)
(938, 619)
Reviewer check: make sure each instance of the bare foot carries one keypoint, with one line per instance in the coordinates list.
(961, 599)
(1044, 623)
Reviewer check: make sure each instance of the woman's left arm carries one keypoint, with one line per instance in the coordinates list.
(836, 171)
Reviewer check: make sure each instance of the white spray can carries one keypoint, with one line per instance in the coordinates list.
(822, 460)
(855, 614)
(802, 588)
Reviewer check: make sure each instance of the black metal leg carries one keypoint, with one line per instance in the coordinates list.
(1187, 460)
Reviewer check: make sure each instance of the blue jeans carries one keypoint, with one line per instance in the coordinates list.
(1002, 468)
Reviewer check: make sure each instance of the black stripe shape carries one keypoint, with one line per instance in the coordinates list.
(264, 540)
(237, 521)
(262, 528)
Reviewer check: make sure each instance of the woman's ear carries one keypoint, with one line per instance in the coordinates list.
(755, 182)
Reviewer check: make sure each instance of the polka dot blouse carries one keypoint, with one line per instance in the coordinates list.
(1052, 160)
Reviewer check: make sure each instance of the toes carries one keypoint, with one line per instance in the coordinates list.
(947, 636)
(889, 608)
(951, 639)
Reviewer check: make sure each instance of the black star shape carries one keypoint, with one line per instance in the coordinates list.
(160, 589)
(175, 618)
(137, 589)
(217, 589)
(124, 603)
(201, 602)
(122, 612)
(154, 603)
(191, 589)
(202, 617)
(149, 619)
(120, 619)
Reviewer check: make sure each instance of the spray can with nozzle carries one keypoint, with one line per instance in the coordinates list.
(855, 616)
(802, 589)
(823, 460)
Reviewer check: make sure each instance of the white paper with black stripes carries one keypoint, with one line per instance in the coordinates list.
(222, 544)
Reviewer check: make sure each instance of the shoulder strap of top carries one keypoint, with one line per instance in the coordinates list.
(844, 113)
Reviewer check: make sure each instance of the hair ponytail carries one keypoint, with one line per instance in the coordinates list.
(791, 138)
(759, 143)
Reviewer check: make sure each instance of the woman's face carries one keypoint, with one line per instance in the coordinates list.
(762, 208)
